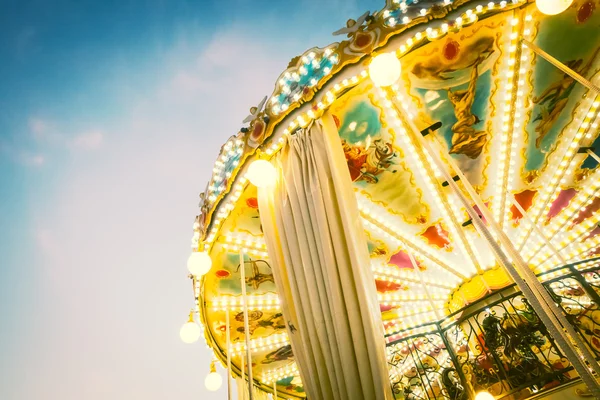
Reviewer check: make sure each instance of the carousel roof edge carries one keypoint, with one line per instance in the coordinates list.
(306, 76)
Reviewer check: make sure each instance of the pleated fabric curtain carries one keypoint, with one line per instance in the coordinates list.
(321, 266)
(257, 394)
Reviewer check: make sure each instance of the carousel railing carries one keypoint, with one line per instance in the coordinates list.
(497, 344)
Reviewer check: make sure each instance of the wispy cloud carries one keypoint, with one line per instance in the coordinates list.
(20, 156)
(38, 126)
(188, 82)
(88, 140)
(233, 59)
(34, 160)
(164, 148)
(153, 161)
(44, 132)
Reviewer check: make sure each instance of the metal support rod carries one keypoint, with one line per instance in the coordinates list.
(246, 324)
(228, 333)
(463, 379)
(566, 70)
(561, 66)
(242, 375)
(593, 155)
(534, 225)
(530, 287)
(539, 231)
(420, 274)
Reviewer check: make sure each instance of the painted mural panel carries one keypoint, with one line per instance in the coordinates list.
(224, 277)
(451, 81)
(556, 95)
(262, 323)
(376, 164)
(245, 218)
(266, 322)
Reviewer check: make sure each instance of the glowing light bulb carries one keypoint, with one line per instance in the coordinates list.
(484, 396)
(213, 381)
(199, 263)
(190, 331)
(553, 7)
(261, 173)
(384, 69)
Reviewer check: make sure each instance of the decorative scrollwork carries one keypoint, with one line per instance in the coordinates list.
(421, 368)
(502, 348)
(499, 345)
(577, 303)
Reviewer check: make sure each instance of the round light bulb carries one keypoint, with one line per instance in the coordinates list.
(190, 332)
(213, 381)
(199, 263)
(484, 396)
(261, 173)
(384, 69)
(553, 7)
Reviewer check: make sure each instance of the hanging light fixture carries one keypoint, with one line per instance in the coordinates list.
(384, 69)
(484, 396)
(213, 380)
(190, 331)
(261, 173)
(199, 263)
(553, 7)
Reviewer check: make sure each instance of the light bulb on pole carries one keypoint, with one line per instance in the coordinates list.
(190, 331)
(384, 69)
(553, 7)
(199, 263)
(484, 396)
(213, 380)
(261, 173)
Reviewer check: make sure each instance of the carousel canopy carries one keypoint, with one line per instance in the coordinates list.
(482, 83)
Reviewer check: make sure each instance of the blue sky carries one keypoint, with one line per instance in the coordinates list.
(111, 115)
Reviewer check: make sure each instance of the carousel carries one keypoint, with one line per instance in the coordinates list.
(413, 213)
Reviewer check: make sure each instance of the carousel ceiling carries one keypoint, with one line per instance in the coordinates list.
(515, 125)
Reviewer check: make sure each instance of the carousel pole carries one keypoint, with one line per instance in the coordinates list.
(593, 155)
(528, 284)
(525, 279)
(536, 228)
(275, 389)
(420, 273)
(242, 374)
(586, 353)
(561, 66)
(438, 317)
(573, 74)
(228, 333)
(246, 324)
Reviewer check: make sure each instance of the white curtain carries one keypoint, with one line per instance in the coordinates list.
(321, 267)
(257, 394)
